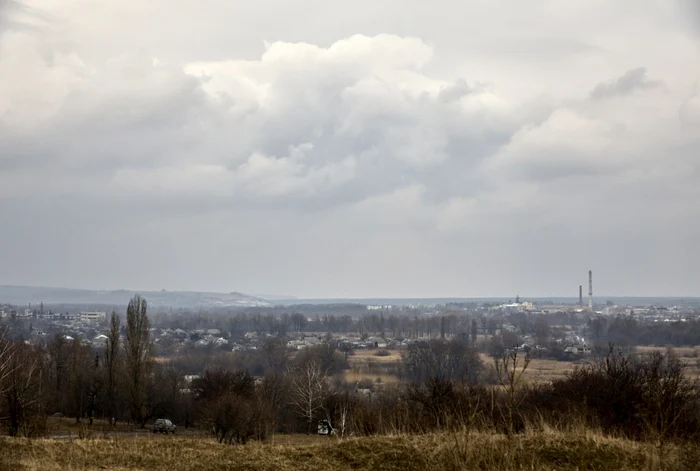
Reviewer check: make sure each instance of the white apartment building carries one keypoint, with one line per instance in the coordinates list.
(90, 317)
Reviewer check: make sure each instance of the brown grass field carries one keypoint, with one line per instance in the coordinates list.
(541, 450)
(545, 370)
(690, 356)
(366, 365)
(541, 369)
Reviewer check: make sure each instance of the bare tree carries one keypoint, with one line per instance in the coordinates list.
(229, 405)
(474, 331)
(79, 377)
(275, 355)
(448, 361)
(273, 392)
(58, 373)
(95, 387)
(233, 418)
(309, 390)
(6, 354)
(339, 408)
(111, 356)
(138, 357)
(509, 375)
(22, 394)
(667, 395)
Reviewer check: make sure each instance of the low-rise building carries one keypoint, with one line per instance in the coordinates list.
(90, 317)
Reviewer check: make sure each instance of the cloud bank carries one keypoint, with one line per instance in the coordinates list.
(369, 164)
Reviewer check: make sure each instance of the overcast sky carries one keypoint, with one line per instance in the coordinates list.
(317, 148)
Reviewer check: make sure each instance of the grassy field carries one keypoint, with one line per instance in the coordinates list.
(543, 369)
(539, 450)
(367, 365)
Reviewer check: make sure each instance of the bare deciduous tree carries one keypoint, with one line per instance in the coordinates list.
(509, 374)
(79, 377)
(275, 355)
(309, 390)
(6, 354)
(22, 396)
(111, 356)
(450, 361)
(667, 394)
(274, 391)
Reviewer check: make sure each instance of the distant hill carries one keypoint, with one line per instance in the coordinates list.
(176, 299)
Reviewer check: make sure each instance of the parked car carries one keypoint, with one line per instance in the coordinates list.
(164, 426)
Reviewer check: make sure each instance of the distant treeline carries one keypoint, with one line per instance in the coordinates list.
(628, 330)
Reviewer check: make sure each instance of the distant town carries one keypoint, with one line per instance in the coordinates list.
(248, 368)
(543, 326)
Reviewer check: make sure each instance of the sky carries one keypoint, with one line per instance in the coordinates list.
(351, 149)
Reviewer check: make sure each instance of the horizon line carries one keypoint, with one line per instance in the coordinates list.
(274, 297)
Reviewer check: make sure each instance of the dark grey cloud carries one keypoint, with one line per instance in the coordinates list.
(454, 91)
(9, 9)
(19, 16)
(690, 12)
(631, 81)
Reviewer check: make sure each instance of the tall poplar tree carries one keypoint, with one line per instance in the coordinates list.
(137, 346)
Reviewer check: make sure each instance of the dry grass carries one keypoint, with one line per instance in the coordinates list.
(545, 370)
(541, 369)
(366, 365)
(68, 426)
(353, 377)
(543, 450)
(682, 352)
(393, 356)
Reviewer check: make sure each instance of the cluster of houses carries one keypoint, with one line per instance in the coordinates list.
(83, 317)
(348, 341)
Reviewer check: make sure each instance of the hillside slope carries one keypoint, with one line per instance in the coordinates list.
(176, 299)
(541, 451)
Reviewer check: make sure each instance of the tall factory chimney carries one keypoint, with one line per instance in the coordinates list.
(590, 290)
(580, 295)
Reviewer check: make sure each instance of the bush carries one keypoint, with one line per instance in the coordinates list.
(641, 397)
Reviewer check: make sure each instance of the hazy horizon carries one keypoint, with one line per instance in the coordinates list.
(351, 149)
(599, 299)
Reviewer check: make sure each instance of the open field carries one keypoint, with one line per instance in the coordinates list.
(690, 356)
(359, 356)
(541, 369)
(682, 352)
(367, 365)
(66, 427)
(544, 369)
(537, 450)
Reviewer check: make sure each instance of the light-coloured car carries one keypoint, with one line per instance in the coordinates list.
(164, 426)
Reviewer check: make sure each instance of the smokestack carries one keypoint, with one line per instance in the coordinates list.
(580, 295)
(590, 290)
